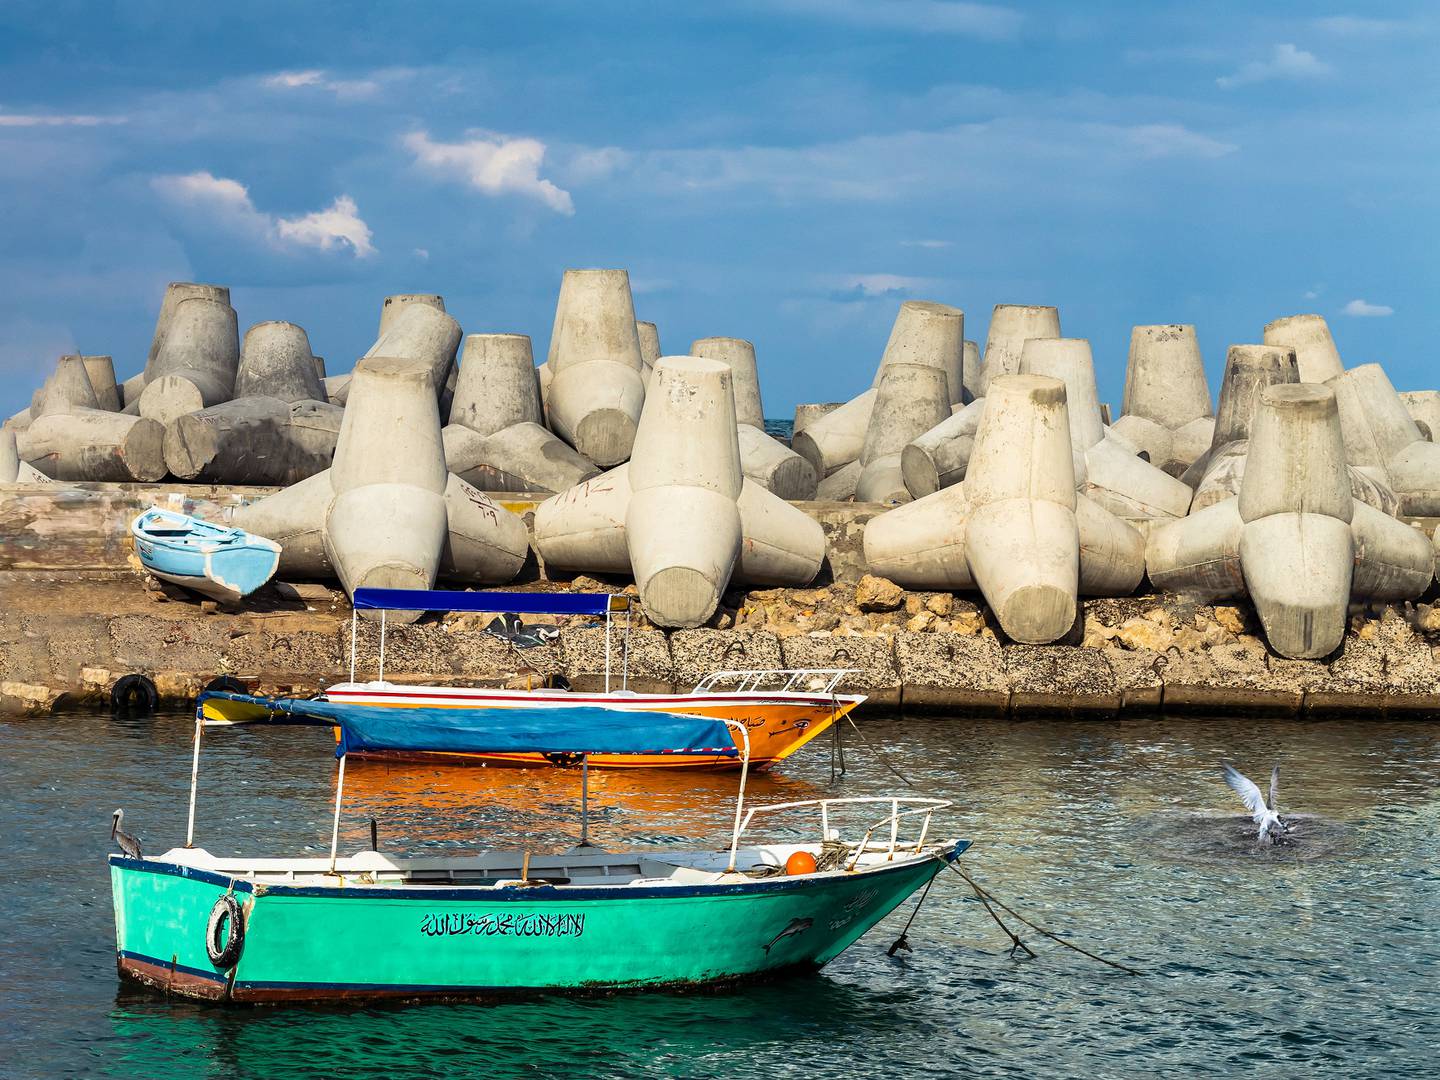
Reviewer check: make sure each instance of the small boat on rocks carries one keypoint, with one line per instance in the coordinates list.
(214, 560)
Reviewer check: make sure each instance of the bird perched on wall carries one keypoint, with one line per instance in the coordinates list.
(1261, 807)
(130, 845)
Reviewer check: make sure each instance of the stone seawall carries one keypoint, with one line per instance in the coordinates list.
(77, 615)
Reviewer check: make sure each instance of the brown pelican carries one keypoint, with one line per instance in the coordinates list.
(128, 844)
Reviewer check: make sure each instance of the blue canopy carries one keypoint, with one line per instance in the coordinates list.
(521, 603)
(564, 729)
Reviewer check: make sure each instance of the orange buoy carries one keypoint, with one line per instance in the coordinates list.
(802, 862)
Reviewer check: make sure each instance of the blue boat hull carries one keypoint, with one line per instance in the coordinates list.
(222, 563)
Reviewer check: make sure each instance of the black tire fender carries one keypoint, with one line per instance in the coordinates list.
(226, 954)
(134, 694)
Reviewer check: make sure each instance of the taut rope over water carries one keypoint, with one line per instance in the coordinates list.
(987, 898)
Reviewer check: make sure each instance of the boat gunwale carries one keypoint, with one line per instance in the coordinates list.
(947, 851)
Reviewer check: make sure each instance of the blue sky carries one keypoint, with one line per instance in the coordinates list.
(786, 171)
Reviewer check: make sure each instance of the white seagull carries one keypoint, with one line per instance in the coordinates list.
(1261, 808)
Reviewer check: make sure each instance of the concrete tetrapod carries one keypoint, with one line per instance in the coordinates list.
(1167, 410)
(68, 388)
(101, 370)
(1383, 440)
(938, 458)
(197, 361)
(1294, 538)
(1011, 325)
(1316, 357)
(1108, 472)
(682, 527)
(739, 355)
(596, 393)
(421, 333)
(805, 415)
(650, 353)
(832, 441)
(175, 292)
(388, 513)
(1216, 475)
(522, 457)
(920, 378)
(253, 440)
(1424, 408)
(9, 456)
(679, 515)
(1015, 528)
(392, 307)
(496, 387)
(90, 444)
(970, 371)
(276, 362)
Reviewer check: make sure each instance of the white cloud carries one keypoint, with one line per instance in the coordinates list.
(1166, 141)
(318, 79)
(913, 16)
(1285, 62)
(331, 228)
(422, 254)
(873, 285)
(58, 120)
(1365, 310)
(491, 163)
(596, 164)
(228, 203)
(927, 243)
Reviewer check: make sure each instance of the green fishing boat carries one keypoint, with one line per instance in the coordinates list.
(375, 925)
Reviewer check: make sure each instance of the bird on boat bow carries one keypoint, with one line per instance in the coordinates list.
(130, 845)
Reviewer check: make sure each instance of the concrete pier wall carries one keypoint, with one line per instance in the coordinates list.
(78, 615)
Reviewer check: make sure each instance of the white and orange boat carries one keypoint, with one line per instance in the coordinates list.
(781, 709)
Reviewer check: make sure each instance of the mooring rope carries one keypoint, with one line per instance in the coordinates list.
(884, 758)
(986, 897)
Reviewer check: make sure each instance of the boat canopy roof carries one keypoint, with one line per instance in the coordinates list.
(521, 603)
(569, 729)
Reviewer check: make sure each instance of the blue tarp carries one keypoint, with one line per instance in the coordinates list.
(568, 729)
(518, 602)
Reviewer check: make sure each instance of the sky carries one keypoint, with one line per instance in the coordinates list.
(787, 171)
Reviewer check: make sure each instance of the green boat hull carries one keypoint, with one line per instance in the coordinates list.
(355, 943)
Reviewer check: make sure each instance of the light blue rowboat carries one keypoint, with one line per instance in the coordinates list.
(214, 560)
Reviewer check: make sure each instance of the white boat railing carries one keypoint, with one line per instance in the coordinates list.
(913, 807)
(774, 680)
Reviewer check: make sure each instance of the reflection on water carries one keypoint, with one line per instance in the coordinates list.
(1315, 958)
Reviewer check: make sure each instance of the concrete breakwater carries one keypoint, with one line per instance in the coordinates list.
(78, 616)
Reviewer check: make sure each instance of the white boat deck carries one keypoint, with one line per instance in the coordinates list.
(578, 867)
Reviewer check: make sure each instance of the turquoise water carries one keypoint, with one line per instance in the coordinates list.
(1319, 959)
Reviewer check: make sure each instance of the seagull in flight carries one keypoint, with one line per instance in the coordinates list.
(1261, 807)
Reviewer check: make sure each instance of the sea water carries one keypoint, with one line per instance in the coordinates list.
(1319, 958)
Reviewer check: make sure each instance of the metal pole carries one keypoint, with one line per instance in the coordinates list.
(584, 800)
(382, 646)
(335, 828)
(740, 800)
(625, 661)
(607, 645)
(354, 619)
(194, 775)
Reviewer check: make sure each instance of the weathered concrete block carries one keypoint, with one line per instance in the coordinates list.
(697, 653)
(874, 657)
(650, 664)
(940, 672)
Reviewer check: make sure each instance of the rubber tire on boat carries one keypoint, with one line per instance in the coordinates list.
(133, 693)
(227, 908)
(227, 684)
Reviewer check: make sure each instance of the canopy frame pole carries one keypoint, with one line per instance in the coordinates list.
(584, 800)
(625, 654)
(382, 645)
(607, 647)
(335, 826)
(740, 799)
(194, 776)
(354, 626)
